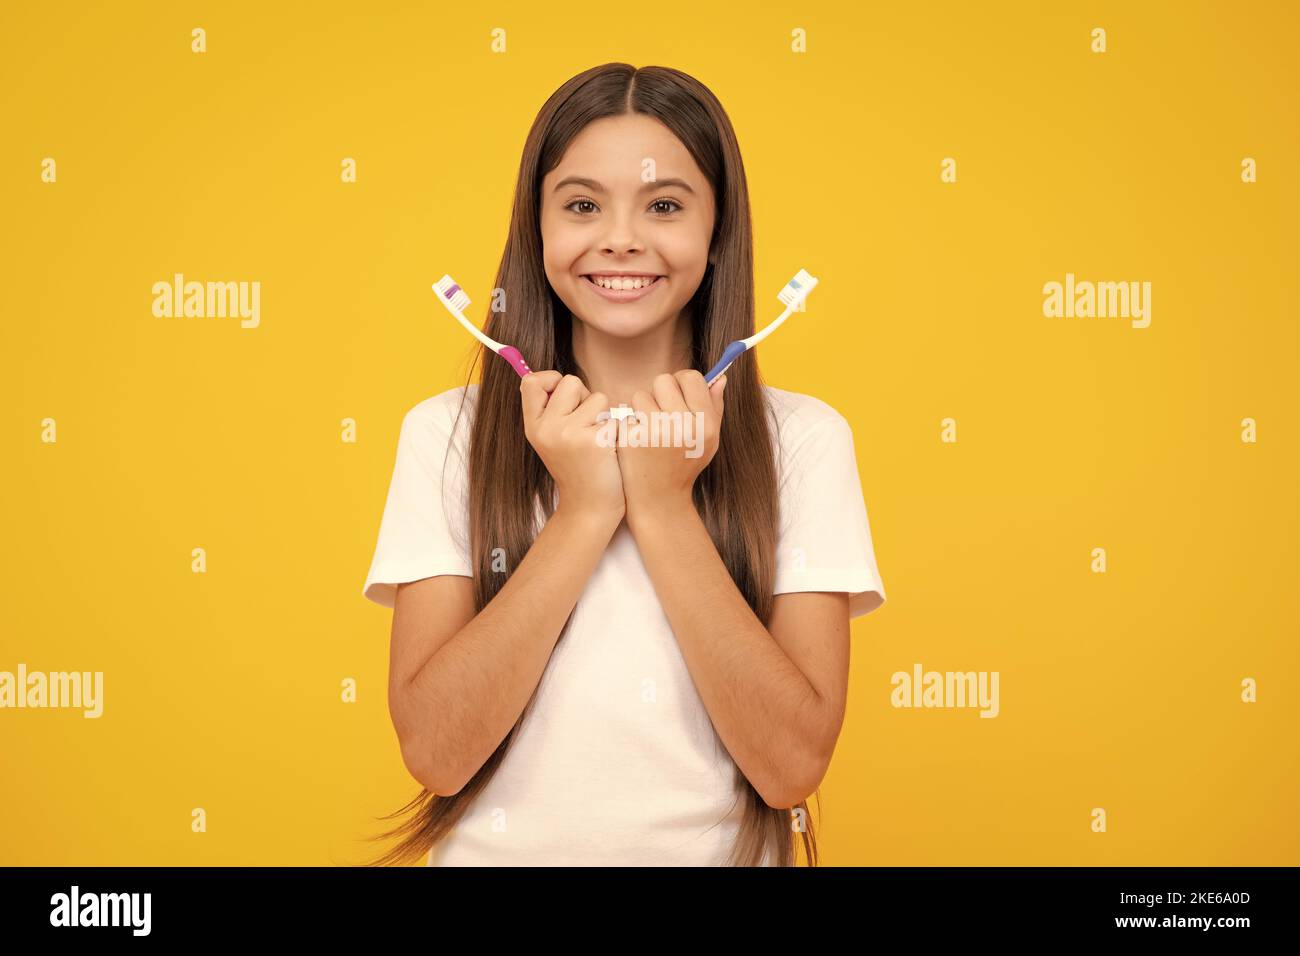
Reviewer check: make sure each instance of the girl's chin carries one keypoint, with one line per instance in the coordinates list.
(628, 328)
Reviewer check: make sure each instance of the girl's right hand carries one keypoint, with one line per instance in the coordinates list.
(560, 422)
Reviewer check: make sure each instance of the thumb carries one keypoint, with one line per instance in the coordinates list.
(535, 390)
(715, 391)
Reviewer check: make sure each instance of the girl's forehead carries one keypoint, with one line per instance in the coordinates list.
(619, 145)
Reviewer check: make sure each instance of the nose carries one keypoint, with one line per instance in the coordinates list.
(621, 238)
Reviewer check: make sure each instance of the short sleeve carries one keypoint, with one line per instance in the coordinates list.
(422, 532)
(825, 538)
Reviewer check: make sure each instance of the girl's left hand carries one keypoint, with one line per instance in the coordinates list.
(660, 479)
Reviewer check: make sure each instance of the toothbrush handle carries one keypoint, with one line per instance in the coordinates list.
(729, 355)
(516, 360)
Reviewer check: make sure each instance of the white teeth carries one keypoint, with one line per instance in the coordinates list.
(618, 284)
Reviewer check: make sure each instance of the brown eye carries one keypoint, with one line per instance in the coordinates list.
(671, 202)
(577, 202)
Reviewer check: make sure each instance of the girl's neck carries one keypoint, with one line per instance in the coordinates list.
(620, 367)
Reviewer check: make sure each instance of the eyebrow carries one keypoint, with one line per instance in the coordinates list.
(597, 187)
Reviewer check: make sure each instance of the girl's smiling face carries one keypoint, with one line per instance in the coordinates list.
(599, 216)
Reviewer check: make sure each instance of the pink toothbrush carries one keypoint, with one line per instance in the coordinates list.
(454, 298)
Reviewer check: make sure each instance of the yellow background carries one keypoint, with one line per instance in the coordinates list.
(1118, 690)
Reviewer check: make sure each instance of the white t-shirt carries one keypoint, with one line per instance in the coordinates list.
(618, 763)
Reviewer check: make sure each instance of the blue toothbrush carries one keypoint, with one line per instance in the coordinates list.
(795, 291)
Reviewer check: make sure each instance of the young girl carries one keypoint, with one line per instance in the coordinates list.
(605, 654)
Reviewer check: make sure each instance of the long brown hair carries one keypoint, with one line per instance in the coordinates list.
(736, 495)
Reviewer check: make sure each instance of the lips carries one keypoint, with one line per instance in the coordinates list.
(623, 295)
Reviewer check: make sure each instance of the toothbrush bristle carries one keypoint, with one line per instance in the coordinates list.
(453, 293)
(797, 289)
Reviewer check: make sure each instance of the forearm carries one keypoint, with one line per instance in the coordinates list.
(764, 709)
(472, 691)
